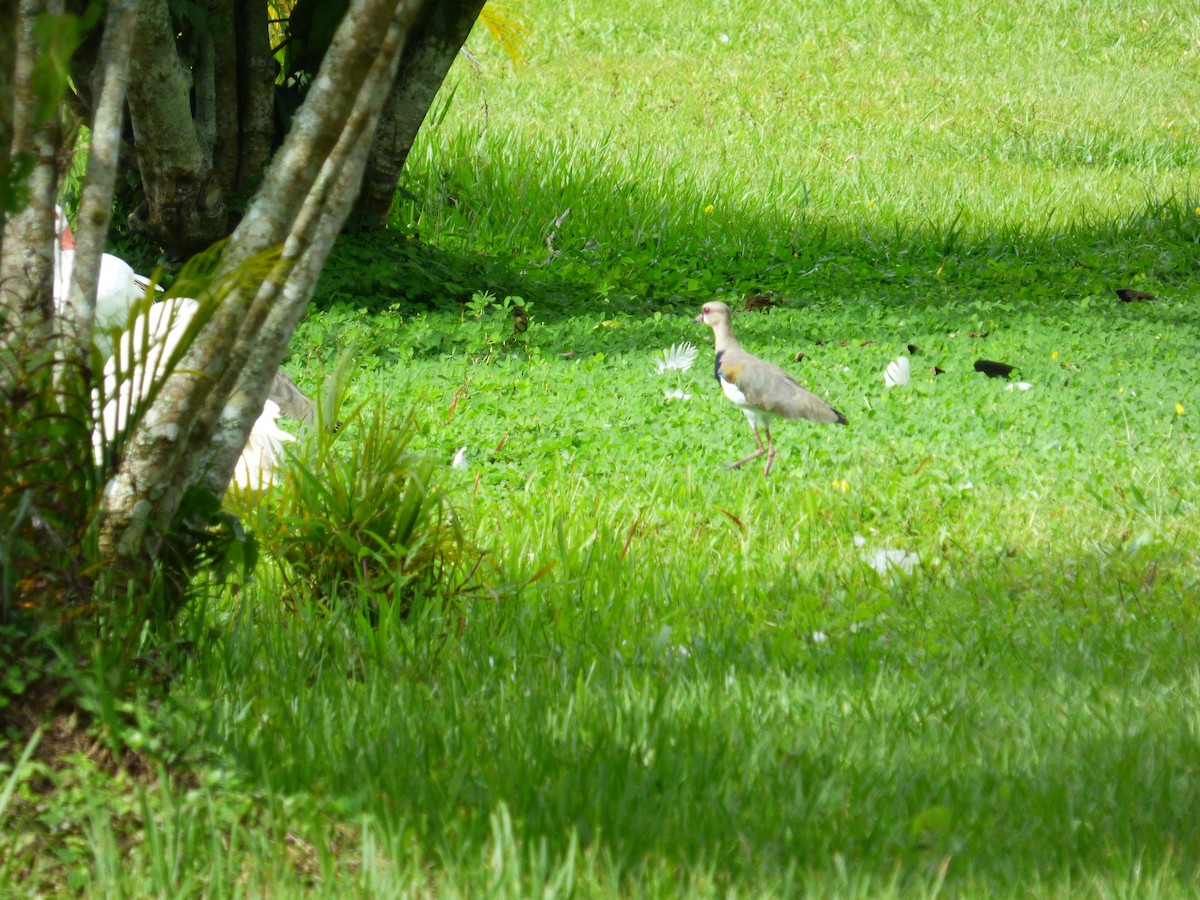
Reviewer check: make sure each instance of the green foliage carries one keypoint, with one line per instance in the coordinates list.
(491, 324)
(396, 270)
(59, 602)
(47, 491)
(57, 37)
(14, 194)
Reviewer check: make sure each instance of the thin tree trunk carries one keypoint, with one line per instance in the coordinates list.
(27, 263)
(225, 93)
(204, 96)
(431, 49)
(163, 454)
(8, 75)
(95, 208)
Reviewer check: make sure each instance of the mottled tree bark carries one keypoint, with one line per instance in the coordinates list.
(225, 96)
(180, 212)
(205, 126)
(327, 208)
(204, 96)
(27, 261)
(431, 49)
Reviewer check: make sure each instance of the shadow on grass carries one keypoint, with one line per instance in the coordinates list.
(478, 243)
(646, 253)
(1022, 737)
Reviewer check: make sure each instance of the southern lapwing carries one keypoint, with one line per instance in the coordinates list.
(760, 389)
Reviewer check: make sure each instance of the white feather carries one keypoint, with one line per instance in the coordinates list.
(677, 356)
(734, 393)
(140, 359)
(885, 560)
(898, 372)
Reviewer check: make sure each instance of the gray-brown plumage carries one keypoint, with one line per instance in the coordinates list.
(760, 389)
(292, 401)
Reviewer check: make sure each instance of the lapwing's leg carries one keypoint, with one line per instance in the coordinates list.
(761, 451)
(770, 450)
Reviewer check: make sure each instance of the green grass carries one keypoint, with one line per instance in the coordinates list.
(678, 679)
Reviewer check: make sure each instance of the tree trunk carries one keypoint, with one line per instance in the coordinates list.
(181, 212)
(342, 176)
(432, 47)
(205, 409)
(256, 94)
(225, 95)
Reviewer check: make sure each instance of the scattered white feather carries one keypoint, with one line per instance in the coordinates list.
(677, 356)
(1019, 386)
(898, 372)
(820, 637)
(460, 459)
(677, 394)
(883, 561)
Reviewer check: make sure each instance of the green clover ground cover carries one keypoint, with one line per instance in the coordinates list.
(675, 678)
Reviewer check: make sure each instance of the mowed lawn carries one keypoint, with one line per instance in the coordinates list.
(950, 648)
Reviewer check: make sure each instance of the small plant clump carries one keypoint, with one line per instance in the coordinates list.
(358, 516)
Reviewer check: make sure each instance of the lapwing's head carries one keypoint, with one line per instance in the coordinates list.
(714, 312)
